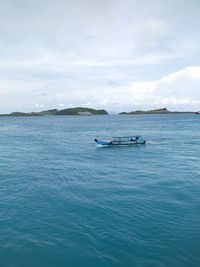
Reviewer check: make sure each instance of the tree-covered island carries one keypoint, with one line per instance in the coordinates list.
(69, 111)
(155, 111)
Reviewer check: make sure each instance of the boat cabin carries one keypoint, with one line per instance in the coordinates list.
(126, 138)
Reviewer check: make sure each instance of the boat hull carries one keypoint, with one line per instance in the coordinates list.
(100, 143)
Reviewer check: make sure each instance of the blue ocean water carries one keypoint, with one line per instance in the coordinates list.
(64, 202)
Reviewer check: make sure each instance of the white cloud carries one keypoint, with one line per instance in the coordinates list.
(178, 90)
(189, 72)
(143, 87)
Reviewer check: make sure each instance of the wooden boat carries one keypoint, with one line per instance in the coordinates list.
(121, 141)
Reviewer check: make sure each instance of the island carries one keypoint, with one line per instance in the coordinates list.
(81, 111)
(155, 111)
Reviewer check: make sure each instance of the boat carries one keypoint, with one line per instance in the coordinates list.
(120, 141)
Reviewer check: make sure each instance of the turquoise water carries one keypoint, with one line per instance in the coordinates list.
(64, 202)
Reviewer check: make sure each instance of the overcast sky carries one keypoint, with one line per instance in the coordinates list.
(115, 54)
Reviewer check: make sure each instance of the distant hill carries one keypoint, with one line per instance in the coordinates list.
(21, 114)
(153, 111)
(48, 112)
(69, 111)
(81, 111)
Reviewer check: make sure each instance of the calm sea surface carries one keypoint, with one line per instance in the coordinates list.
(66, 203)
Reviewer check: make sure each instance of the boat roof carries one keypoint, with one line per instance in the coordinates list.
(126, 137)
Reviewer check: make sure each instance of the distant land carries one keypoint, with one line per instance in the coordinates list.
(156, 111)
(81, 111)
(69, 111)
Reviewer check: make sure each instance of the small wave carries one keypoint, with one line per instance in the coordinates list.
(157, 142)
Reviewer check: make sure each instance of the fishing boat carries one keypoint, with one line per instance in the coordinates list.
(120, 141)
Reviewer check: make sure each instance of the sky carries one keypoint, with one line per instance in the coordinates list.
(106, 54)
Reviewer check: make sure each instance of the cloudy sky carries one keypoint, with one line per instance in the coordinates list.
(112, 54)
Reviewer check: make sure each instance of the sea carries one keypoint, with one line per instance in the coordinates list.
(66, 203)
